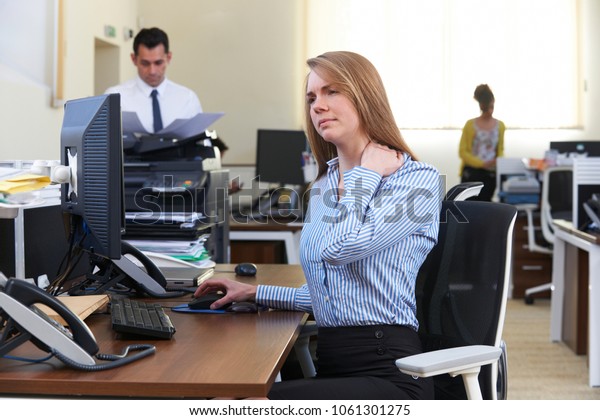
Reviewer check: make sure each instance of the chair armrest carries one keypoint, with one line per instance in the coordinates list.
(309, 329)
(453, 361)
(303, 351)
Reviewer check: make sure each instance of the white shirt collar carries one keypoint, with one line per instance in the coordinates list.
(147, 89)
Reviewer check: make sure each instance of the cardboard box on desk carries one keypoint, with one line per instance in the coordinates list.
(82, 306)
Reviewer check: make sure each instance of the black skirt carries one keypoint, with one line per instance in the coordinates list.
(359, 363)
(488, 178)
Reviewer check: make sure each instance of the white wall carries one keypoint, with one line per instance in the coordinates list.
(245, 58)
(30, 124)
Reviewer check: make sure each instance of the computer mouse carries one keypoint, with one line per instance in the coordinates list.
(245, 269)
(204, 302)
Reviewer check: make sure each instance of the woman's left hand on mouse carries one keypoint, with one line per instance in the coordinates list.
(234, 291)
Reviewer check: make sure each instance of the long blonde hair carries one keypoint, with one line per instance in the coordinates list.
(356, 78)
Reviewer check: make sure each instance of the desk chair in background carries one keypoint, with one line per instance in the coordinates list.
(556, 203)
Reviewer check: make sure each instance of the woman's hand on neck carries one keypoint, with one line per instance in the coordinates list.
(381, 159)
(373, 156)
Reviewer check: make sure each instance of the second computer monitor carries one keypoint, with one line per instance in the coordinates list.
(279, 157)
(590, 148)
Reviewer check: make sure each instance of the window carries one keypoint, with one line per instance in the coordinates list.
(432, 54)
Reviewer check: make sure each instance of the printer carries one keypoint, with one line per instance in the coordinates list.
(177, 190)
(520, 189)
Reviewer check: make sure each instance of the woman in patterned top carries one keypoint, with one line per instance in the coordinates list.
(482, 141)
(372, 218)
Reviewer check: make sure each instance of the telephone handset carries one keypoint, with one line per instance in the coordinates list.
(277, 202)
(74, 346)
(149, 280)
(268, 201)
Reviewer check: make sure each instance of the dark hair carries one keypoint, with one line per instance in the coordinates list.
(484, 95)
(151, 38)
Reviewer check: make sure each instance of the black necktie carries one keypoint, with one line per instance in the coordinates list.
(156, 112)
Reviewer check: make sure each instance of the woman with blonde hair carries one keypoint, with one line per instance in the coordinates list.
(372, 218)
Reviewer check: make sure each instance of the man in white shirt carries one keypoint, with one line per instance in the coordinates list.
(151, 56)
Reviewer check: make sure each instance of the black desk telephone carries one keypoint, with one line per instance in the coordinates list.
(277, 202)
(21, 321)
(106, 273)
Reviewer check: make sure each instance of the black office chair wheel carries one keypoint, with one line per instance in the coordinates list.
(528, 300)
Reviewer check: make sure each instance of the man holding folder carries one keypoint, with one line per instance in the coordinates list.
(156, 100)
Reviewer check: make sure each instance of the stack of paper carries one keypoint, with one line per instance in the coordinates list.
(191, 251)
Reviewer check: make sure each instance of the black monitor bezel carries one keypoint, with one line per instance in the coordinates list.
(92, 128)
(591, 147)
(284, 147)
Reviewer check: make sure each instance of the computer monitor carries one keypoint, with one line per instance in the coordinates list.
(91, 146)
(279, 156)
(587, 147)
(92, 201)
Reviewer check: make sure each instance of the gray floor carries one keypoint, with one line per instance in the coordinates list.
(537, 368)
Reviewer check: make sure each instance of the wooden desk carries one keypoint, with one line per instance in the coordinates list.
(269, 230)
(562, 273)
(210, 355)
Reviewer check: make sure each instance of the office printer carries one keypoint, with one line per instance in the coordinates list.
(168, 178)
(520, 189)
(521, 185)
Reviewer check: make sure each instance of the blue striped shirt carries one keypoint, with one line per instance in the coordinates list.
(361, 253)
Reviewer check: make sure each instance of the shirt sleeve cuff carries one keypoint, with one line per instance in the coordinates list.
(280, 297)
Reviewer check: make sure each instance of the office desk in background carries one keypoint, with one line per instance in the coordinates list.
(261, 237)
(210, 355)
(564, 272)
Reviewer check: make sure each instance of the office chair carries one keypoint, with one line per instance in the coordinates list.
(463, 191)
(556, 203)
(461, 291)
(458, 192)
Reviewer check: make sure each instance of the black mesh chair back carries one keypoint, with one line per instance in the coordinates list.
(560, 192)
(462, 288)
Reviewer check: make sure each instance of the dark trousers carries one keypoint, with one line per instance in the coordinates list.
(358, 363)
(488, 178)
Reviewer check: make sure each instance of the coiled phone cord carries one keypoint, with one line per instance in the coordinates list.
(117, 360)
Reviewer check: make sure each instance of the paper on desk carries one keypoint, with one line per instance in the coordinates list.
(178, 129)
(172, 217)
(24, 183)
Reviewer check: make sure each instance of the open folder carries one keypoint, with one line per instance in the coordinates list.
(178, 129)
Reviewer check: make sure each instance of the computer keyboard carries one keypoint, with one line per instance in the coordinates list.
(139, 317)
